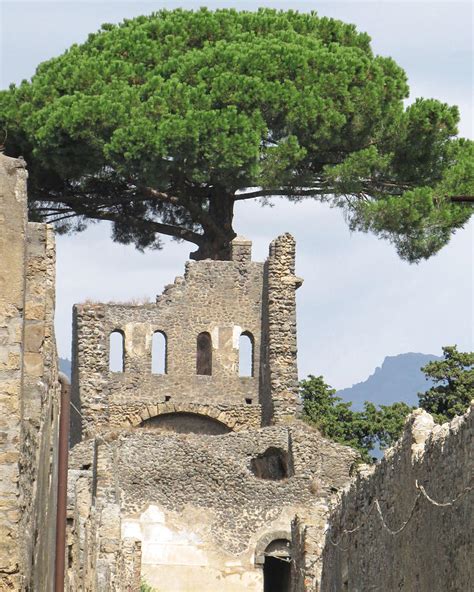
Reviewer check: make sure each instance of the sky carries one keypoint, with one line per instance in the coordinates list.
(359, 301)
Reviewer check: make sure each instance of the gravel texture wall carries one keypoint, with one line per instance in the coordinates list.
(195, 503)
(408, 524)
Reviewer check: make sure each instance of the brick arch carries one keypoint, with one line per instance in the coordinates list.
(265, 540)
(150, 411)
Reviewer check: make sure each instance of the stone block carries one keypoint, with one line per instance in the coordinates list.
(34, 337)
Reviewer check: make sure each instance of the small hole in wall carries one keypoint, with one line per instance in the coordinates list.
(248, 401)
(167, 398)
(273, 464)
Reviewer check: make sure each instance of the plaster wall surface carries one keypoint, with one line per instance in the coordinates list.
(430, 548)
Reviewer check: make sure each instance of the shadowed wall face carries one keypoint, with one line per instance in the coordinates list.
(186, 423)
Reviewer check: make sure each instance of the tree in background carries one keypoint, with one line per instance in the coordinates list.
(453, 388)
(162, 123)
(363, 430)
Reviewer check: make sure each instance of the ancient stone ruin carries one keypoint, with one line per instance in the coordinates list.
(189, 467)
(195, 471)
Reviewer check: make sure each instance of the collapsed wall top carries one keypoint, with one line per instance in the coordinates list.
(200, 320)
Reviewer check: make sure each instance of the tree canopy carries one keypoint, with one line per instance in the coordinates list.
(162, 123)
(453, 388)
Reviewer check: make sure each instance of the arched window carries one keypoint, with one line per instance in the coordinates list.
(116, 351)
(159, 353)
(246, 354)
(204, 354)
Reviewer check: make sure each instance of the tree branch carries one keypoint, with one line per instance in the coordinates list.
(462, 198)
(271, 192)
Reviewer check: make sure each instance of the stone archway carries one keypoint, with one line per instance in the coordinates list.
(273, 555)
(134, 414)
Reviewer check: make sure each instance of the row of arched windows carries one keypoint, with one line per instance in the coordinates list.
(159, 353)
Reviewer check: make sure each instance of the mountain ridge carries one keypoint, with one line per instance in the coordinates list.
(399, 378)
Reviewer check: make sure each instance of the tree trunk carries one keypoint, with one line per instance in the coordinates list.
(218, 237)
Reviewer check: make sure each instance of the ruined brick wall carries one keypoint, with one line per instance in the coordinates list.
(29, 389)
(99, 559)
(425, 545)
(196, 505)
(224, 299)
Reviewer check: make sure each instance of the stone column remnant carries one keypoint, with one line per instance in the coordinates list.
(282, 350)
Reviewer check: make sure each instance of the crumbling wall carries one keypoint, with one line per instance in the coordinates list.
(408, 524)
(222, 298)
(307, 545)
(98, 558)
(28, 389)
(197, 506)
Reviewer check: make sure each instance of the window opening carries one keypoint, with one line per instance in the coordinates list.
(158, 353)
(116, 352)
(246, 354)
(204, 354)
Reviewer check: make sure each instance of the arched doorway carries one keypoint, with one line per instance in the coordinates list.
(276, 560)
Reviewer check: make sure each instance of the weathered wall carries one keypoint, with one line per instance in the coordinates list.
(12, 279)
(196, 506)
(281, 285)
(433, 550)
(224, 299)
(28, 389)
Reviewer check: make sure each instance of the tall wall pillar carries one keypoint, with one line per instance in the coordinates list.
(12, 297)
(281, 331)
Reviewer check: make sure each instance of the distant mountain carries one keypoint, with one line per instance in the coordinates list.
(398, 379)
(65, 367)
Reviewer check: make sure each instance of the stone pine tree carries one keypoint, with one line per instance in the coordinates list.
(162, 123)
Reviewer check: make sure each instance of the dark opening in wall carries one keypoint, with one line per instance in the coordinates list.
(116, 351)
(272, 464)
(277, 567)
(159, 353)
(186, 423)
(204, 354)
(246, 347)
